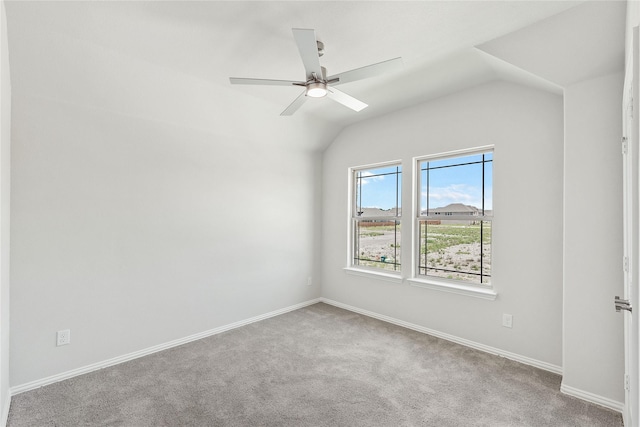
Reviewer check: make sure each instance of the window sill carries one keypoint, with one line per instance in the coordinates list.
(455, 288)
(389, 277)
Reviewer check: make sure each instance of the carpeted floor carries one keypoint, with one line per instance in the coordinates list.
(317, 366)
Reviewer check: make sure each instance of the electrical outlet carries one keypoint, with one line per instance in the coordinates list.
(507, 320)
(63, 337)
(309, 281)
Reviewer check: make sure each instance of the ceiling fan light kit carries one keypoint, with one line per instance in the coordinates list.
(316, 83)
(316, 89)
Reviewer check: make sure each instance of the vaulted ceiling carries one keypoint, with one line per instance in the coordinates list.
(171, 61)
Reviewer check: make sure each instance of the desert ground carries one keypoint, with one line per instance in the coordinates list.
(451, 250)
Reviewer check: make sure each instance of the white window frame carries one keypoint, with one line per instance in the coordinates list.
(485, 291)
(360, 270)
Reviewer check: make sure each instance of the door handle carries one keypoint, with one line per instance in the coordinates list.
(622, 304)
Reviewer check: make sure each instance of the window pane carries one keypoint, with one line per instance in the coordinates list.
(458, 250)
(456, 186)
(377, 192)
(377, 244)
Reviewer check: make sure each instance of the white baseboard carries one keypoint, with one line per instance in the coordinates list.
(487, 349)
(5, 410)
(593, 398)
(136, 354)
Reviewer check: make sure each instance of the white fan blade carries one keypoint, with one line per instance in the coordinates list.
(297, 103)
(366, 72)
(308, 47)
(242, 81)
(346, 100)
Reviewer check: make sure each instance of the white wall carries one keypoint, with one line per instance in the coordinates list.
(133, 232)
(5, 143)
(148, 203)
(593, 331)
(632, 20)
(526, 127)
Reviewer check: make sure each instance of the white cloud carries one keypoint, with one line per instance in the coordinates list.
(455, 193)
(367, 177)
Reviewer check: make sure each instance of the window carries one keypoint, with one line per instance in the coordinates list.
(454, 218)
(376, 217)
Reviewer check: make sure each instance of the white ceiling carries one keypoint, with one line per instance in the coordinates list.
(581, 43)
(170, 61)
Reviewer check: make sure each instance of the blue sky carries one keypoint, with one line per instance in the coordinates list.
(379, 190)
(457, 184)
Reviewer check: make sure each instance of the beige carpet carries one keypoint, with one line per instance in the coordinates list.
(317, 366)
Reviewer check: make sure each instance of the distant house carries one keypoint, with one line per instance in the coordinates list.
(378, 216)
(377, 212)
(455, 209)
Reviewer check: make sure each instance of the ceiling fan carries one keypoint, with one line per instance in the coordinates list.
(316, 83)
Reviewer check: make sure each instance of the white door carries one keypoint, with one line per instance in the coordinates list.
(631, 262)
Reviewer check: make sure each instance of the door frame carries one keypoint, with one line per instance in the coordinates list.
(631, 231)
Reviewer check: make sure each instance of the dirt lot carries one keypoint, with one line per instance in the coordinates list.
(464, 257)
(380, 247)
